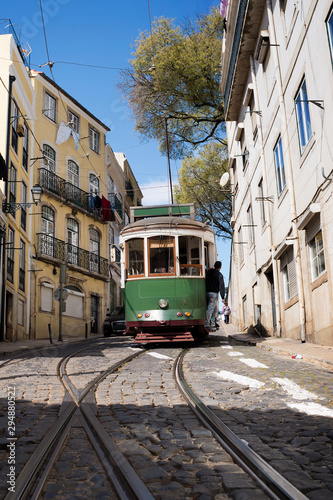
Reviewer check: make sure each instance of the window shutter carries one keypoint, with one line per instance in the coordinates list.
(46, 297)
(74, 304)
(312, 228)
(287, 259)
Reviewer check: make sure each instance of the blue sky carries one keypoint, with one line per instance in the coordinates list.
(102, 33)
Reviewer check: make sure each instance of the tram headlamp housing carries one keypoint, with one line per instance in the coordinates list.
(163, 303)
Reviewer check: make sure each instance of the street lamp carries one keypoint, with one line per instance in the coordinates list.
(36, 192)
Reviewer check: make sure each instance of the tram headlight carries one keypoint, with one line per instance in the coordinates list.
(139, 315)
(163, 303)
(187, 314)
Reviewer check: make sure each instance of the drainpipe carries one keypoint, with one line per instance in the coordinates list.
(289, 172)
(269, 221)
(3, 270)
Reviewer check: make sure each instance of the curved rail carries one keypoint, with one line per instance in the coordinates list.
(129, 485)
(273, 484)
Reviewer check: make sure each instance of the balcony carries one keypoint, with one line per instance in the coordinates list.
(244, 20)
(51, 249)
(68, 192)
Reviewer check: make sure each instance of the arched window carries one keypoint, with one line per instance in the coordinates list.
(47, 229)
(94, 246)
(49, 160)
(72, 241)
(73, 173)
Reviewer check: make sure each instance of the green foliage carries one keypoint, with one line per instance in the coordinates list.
(174, 79)
(199, 183)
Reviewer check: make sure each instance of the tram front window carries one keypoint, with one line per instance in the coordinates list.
(135, 257)
(189, 256)
(161, 255)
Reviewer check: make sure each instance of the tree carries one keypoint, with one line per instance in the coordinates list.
(173, 82)
(199, 183)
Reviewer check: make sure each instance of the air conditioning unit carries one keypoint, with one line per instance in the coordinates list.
(262, 46)
(20, 130)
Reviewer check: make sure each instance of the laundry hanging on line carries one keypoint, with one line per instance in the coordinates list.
(64, 133)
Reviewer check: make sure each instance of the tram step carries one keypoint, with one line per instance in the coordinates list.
(165, 337)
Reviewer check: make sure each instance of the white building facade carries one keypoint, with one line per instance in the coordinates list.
(277, 82)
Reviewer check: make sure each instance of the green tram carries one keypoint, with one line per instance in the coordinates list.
(164, 255)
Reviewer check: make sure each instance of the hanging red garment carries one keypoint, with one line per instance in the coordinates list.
(107, 212)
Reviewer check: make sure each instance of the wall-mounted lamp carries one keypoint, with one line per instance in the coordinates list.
(36, 192)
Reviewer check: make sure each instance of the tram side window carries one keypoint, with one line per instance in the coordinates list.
(189, 256)
(135, 257)
(161, 255)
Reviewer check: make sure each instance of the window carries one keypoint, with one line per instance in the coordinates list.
(10, 255)
(244, 303)
(46, 297)
(25, 153)
(317, 256)
(74, 303)
(94, 247)
(329, 27)
(94, 139)
(47, 228)
(14, 120)
(161, 255)
(12, 184)
(110, 187)
(24, 190)
(240, 245)
(135, 257)
(22, 266)
(262, 202)
(72, 241)
(279, 167)
(303, 116)
(20, 312)
(73, 173)
(253, 115)
(93, 184)
(288, 269)
(49, 160)
(73, 121)
(189, 255)
(50, 106)
(244, 151)
(251, 225)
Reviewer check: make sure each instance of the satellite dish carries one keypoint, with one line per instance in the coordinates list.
(224, 179)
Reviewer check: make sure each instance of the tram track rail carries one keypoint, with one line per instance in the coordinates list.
(267, 478)
(33, 477)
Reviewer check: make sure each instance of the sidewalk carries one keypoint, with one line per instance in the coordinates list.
(8, 348)
(312, 353)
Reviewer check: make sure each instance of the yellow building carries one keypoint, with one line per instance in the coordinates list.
(71, 224)
(16, 147)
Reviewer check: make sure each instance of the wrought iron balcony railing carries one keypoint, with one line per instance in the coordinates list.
(68, 191)
(48, 246)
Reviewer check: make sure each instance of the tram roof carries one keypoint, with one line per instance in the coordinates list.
(166, 222)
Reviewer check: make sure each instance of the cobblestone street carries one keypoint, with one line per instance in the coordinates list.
(281, 407)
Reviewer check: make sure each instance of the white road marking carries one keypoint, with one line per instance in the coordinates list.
(239, 379)
(157, 355)
(294, 390)
(226, 347)
(312, 409)
(235, 353)
(252, 362)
